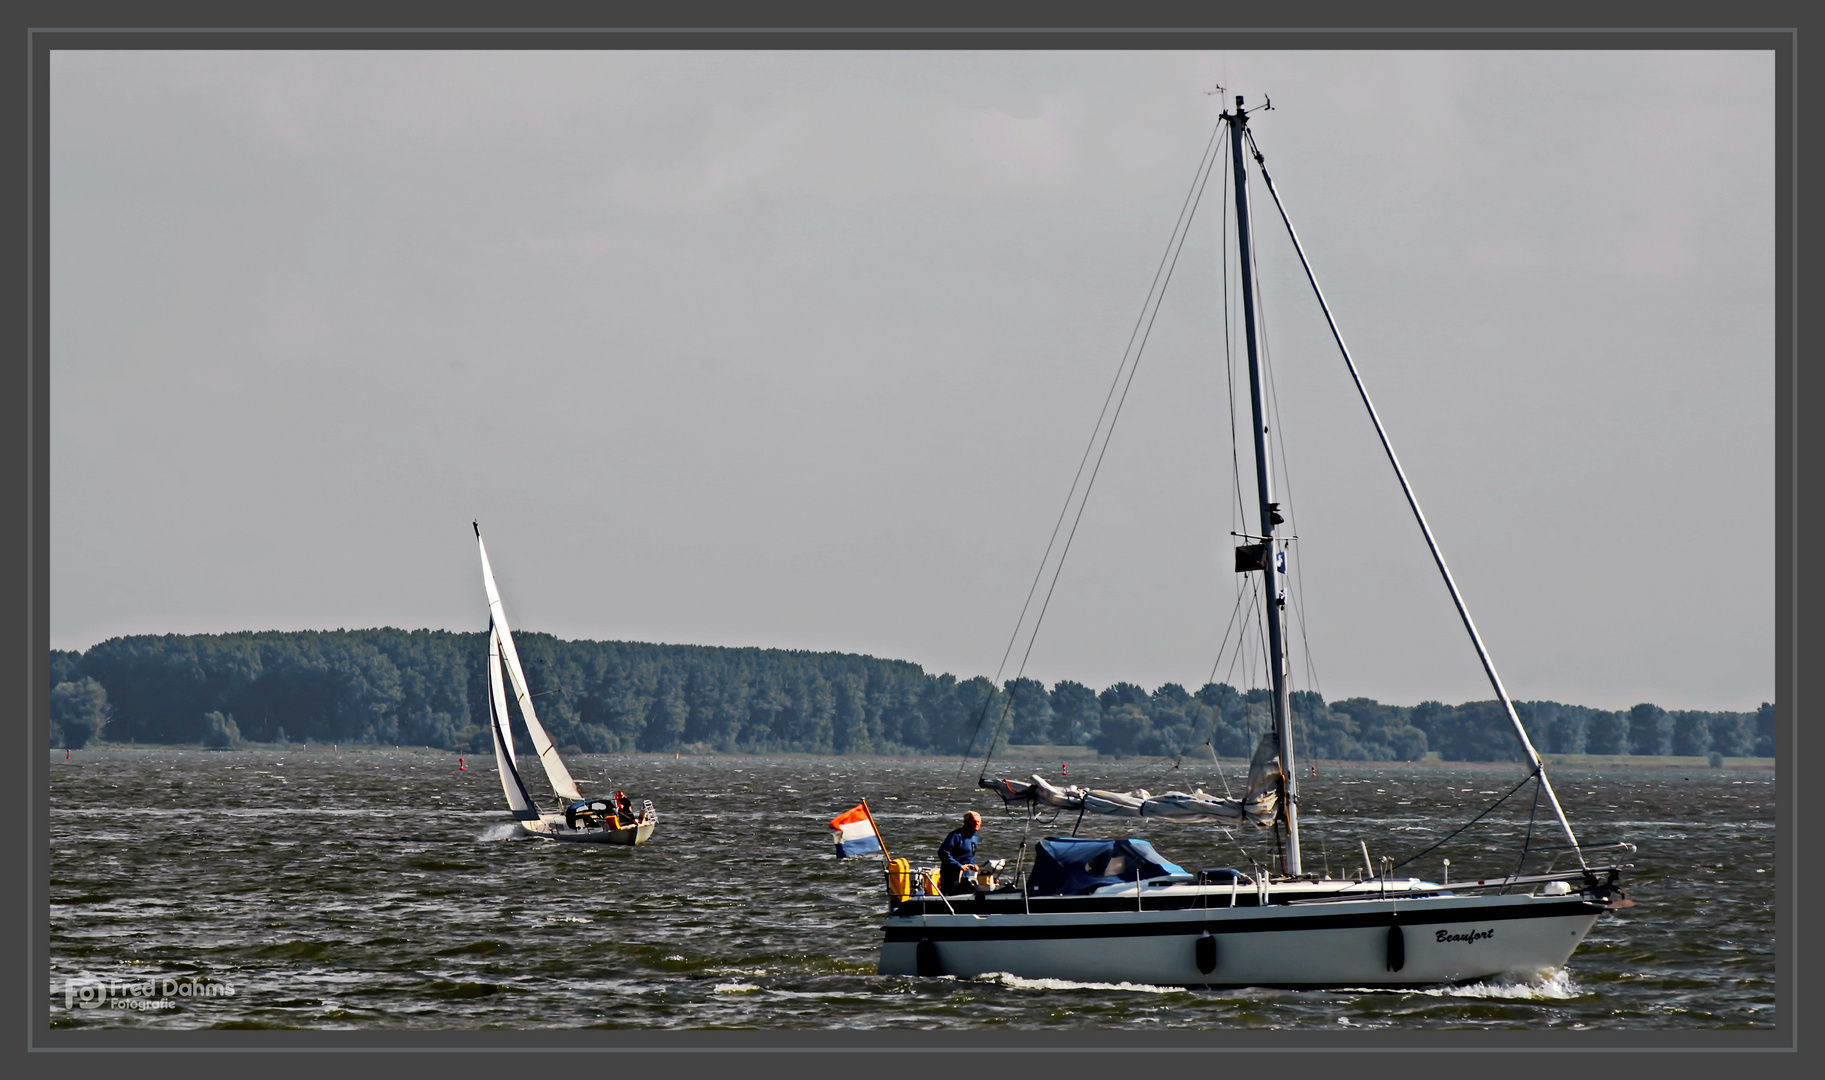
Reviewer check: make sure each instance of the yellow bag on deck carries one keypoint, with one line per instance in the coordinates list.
(899, 879)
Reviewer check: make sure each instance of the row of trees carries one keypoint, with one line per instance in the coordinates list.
(428, 688)
(1126, 719)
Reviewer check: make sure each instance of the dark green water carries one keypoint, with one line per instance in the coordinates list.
(371, 890)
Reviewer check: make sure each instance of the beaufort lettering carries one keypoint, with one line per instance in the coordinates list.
(1466, 938)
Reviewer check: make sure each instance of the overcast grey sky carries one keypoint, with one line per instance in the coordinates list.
(800, 350)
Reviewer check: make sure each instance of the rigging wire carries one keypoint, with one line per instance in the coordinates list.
(1266, 661)
(1187, 214)
(1467, 824)
(1248, 668)
(1235, 467)
(1296, 589)
(1246, 854)
(1229, 386)
(1295, 722)
(1533, 814)
(1238, 511)
(1247, 587)
(1238, 520)
(1476, 639)
(1233, 612)
(1198, 176)
(1244, 584)
(1221, 775)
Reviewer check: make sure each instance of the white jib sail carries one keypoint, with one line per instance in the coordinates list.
(517, 799)
(555, 771)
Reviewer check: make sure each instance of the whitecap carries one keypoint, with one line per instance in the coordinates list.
(1555, 987)
(1018, 983)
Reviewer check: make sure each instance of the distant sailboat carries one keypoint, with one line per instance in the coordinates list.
(598, 821)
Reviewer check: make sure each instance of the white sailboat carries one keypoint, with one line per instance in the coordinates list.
(1117, 911)
(589, 820)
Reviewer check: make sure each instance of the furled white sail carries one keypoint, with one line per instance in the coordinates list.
(1256, 807)
(1119, 803)
(517, 799)
(555, 771)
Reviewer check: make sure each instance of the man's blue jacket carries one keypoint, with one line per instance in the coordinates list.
(957, 851)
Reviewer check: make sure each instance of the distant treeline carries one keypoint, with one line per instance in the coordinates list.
(429, 688)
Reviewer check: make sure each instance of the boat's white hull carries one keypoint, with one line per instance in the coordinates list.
(1442, 940)
(627, 836)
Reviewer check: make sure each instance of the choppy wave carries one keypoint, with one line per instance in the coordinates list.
(1557, 986)
(370, 891)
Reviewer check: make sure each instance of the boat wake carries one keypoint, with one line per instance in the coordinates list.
(1002, 978)
(1555, 987)
(500, 830)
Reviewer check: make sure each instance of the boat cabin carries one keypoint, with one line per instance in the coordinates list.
(586, 813)
(1073, 866)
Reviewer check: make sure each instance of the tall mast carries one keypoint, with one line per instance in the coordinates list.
(1275, 593)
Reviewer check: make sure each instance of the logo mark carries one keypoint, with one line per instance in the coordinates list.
(139, 995)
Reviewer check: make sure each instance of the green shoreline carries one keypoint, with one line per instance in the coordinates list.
(1009, 758)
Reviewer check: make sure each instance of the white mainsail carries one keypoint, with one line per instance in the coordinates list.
(555, 771)
(517, 799)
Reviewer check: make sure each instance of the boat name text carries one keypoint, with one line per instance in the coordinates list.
(1472, 936)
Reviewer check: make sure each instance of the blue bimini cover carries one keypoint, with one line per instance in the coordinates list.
(1068, 866)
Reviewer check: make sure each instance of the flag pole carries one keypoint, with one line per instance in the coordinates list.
(886, 859)
(877, 832)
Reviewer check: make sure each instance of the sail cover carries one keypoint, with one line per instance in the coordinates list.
(1070, 866)
(1257, 805)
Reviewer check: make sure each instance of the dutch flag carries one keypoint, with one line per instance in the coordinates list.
(855, 833)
